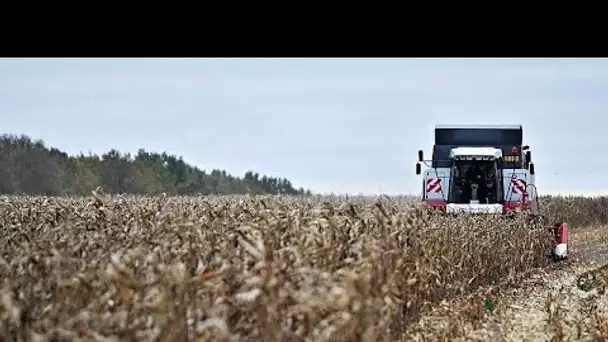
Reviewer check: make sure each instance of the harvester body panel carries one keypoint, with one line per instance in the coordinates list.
(497, 151)
(435, 184)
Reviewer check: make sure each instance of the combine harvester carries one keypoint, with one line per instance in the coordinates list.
(484, 170)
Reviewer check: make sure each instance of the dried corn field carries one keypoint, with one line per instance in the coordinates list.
(256, 269)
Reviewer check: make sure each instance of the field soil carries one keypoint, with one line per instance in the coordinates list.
(567, 302)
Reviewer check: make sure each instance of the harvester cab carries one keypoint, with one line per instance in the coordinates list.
(474, 177)
(483, 170)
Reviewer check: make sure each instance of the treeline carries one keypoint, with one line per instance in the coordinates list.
(29, 167)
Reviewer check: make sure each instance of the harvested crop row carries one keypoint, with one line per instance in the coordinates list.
(231, 269)
(568, 304)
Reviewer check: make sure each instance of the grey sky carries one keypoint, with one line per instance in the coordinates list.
(342, 125)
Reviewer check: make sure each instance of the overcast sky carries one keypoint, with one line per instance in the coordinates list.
(341, 125)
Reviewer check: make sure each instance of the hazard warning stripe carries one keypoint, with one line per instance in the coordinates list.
(433, 185)
(519, 186)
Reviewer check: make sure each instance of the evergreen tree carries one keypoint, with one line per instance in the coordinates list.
(29, 167)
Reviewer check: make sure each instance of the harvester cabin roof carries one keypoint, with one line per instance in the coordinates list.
(475, 153)
(478, 135)
(510, 127)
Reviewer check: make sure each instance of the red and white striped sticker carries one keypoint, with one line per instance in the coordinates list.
(518, 185)
(433, 185)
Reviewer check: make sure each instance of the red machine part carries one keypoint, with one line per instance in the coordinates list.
(560, 231)
(437, 204)
(519, 186)
(433, 185)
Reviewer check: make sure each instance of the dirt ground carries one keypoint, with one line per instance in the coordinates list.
(590, 245)
(565, 303)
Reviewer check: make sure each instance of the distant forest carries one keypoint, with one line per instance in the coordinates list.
(29, 167)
